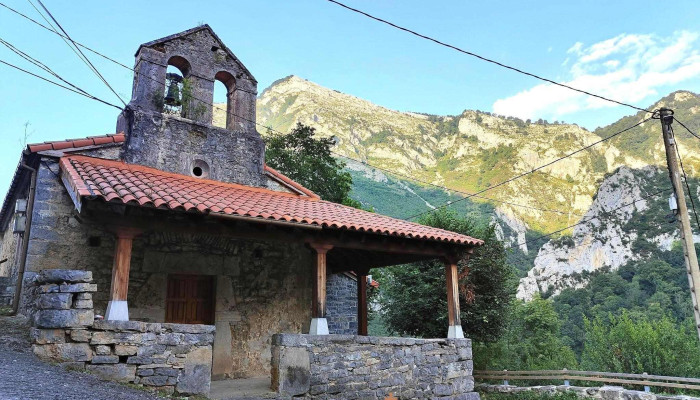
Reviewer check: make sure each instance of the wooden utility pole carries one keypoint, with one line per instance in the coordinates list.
(691, 258)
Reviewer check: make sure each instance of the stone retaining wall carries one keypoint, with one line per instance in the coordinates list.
(351, 367)
(166, 357)
(604, 392)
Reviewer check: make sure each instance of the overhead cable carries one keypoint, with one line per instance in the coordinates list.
(500, 64)
(536, 169)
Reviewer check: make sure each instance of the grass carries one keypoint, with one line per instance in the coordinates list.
(527, 396)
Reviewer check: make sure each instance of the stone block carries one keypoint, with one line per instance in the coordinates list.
(48, 336)
(103, 350)
(83, 296)
(150, 350)
(291, 371)
(105, 359)
(63, 318)
(125, 350)
(108, 337)
(83, 304)
(57, 301)
(145, 372)
(63, 352)
(189, 328)
(137, 326)
(154, 380)
(52, 288)
(167, 371)
(63, 276)
(113, 372)
(196, 375)
(80, 335)
(78, 287)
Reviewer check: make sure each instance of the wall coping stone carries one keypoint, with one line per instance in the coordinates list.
(304, 340)
(63, 276)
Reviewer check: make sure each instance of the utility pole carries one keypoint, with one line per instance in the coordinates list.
(691, 258)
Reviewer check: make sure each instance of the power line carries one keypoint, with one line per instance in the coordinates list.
(39, 64)
(448, 189)
(468, 195)
(685, 180)
(75, 47)
(686, 128)
(59, 85)
(538, 168)
(518, 70)
(605, 213)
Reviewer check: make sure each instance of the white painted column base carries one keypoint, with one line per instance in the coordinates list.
(455, 332)
(117, 310)
(319, 326)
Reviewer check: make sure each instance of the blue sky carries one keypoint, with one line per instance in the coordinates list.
(624, 49)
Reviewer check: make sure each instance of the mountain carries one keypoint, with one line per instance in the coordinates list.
(477, 150)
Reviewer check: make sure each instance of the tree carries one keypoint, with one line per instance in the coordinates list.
(532, 341)
(635, 343)
(413, 297)
(309, 161)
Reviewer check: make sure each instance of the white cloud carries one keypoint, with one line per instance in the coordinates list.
(628, 68)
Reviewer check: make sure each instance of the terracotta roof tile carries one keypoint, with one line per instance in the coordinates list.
(77, 143)
(125, 183)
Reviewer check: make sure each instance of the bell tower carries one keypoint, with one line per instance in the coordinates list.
(169, 119)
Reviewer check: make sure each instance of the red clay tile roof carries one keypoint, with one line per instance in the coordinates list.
(116, 181)
(77, 143)
(289, 182)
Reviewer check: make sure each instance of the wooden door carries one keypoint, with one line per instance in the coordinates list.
(190, 299)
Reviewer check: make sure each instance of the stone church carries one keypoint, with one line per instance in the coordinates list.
(169, 255)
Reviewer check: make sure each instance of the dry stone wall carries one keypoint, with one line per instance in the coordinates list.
(603, 392)
(365, 367)
(175, 358)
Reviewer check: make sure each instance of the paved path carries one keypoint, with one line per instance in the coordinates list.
(24, 377)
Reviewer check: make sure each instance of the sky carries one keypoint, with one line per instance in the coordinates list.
(627, 50)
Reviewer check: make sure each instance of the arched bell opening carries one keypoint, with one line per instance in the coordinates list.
(224, 88)
(178, 92)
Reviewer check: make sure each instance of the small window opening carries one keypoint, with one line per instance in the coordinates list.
(214, 48)
(220, 105)
(224, 97)
(94, 241)
(200, 169)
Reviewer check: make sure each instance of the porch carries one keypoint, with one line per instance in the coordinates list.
(254, 263)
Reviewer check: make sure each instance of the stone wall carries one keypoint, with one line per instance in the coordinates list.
(167, 357)
(351, 367)
(341, 304)
(604, 392)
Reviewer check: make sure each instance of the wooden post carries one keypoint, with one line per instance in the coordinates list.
(117, 308)
(319, 324)
(362, 303)
(455, 324)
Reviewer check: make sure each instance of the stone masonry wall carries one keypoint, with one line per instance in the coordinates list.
(341, 304)
(354, 367)
(174, 358)
(604, 392)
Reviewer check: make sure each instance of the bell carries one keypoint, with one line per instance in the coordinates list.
(172, 97)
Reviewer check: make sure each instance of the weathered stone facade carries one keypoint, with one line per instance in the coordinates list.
(180, 143)
(365, 367)
(341, 304)
(167, 357)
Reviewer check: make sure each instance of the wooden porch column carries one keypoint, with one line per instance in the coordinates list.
(319, 323)
(117, 308)
(455, 328)
(362, 303)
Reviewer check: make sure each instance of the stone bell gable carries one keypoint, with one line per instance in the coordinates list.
(182, 139)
